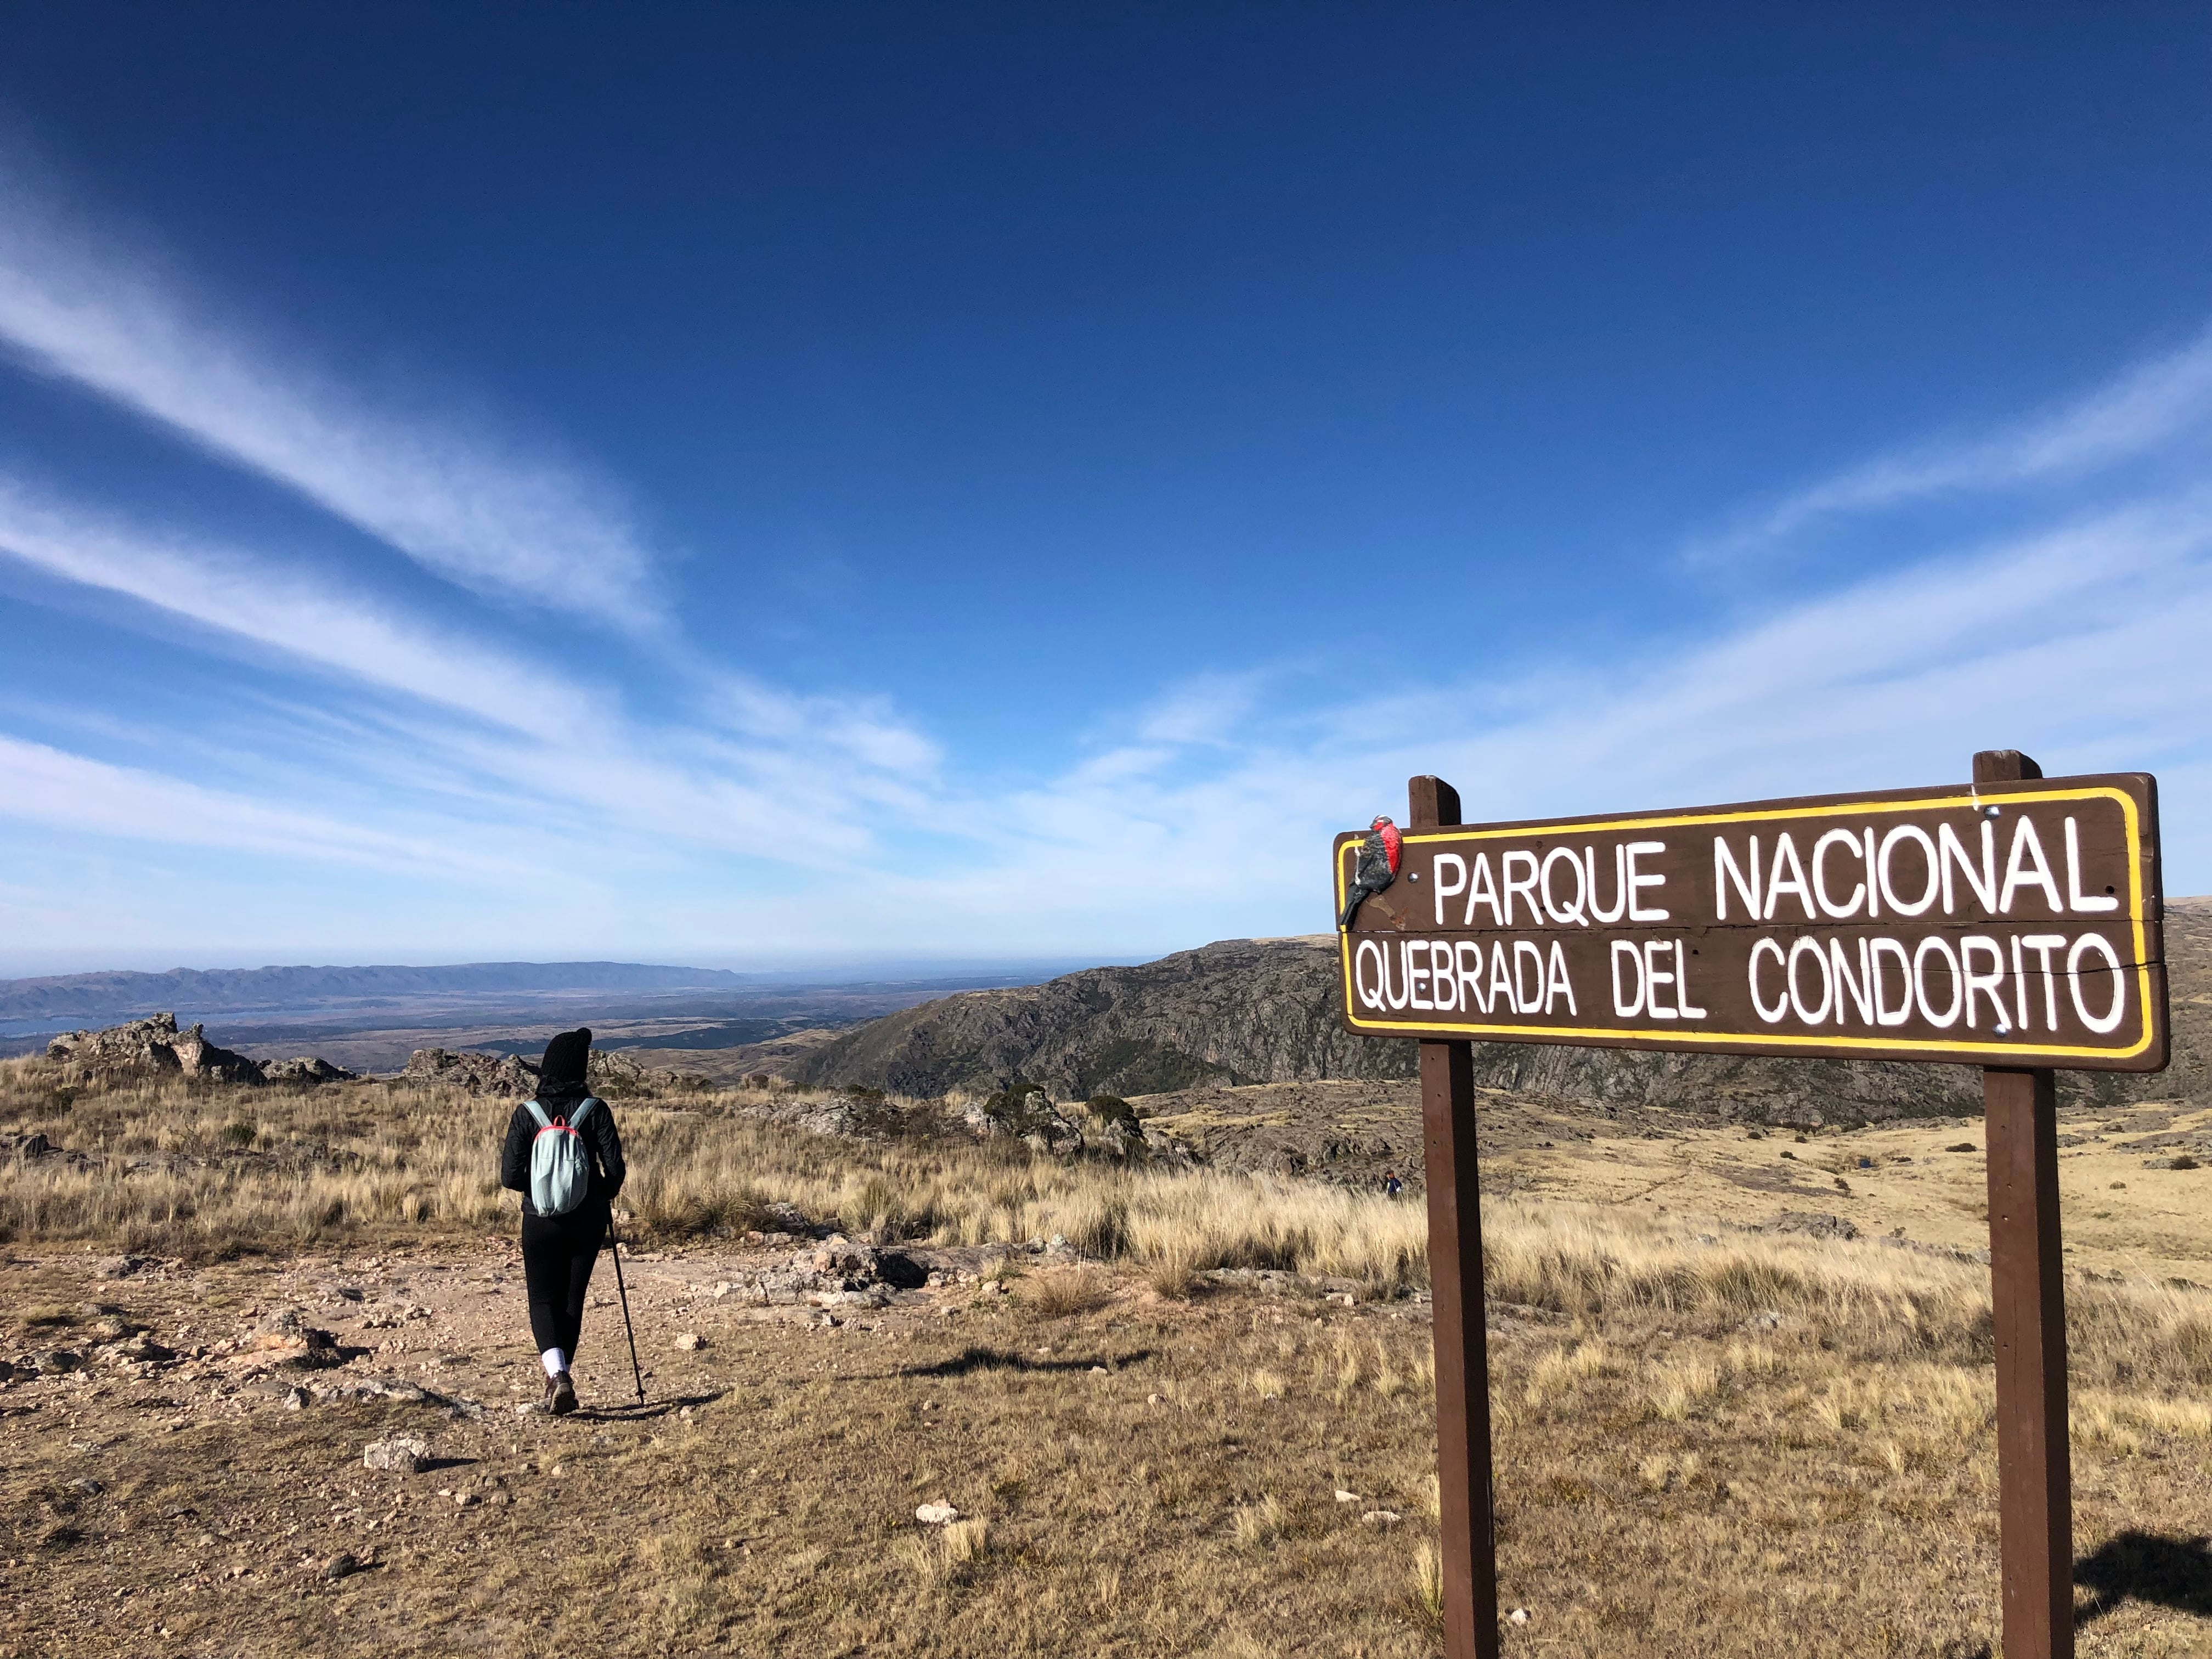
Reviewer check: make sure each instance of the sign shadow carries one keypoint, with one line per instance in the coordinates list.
(970, 1360)
(2146, 1566)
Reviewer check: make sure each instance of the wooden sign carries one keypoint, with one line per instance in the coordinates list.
(2005, 924)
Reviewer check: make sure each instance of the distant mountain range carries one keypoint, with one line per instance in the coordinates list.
(84, 999)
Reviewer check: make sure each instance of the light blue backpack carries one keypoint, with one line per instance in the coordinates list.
(560, 1168)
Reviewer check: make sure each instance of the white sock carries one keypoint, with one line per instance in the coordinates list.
(554, 1361)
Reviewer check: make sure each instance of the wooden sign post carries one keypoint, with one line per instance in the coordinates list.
(2027, 1299)
(1462, 1341)
(2012, 924)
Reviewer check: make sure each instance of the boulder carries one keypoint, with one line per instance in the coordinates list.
(285, 1337)
(836, 1272)
(305, 1068)
(402, 1454)
(1117, 1137)
(197, 1057)
(614, 1075)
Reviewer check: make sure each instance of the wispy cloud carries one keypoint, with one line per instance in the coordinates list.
(2083, 644)
(493, 516)
(2133, 415)
(62, 791)
(533, 735)
(290, 612)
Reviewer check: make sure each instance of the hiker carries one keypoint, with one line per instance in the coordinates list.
(564, 1156)
(1391, 1185)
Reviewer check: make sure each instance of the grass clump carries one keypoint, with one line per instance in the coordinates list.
(1068, 1294)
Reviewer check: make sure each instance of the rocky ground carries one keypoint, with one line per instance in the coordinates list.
(185, 1468)
(849, 1447)
(847, 1451)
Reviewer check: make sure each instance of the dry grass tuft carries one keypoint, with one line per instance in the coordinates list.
(947, 1555)
(1681, 1388)
(1428, 1585)
(1558, 1371)
(1069, 1294)
(1172, 1277)
(1256, 1525)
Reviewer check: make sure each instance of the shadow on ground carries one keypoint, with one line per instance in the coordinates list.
(968, 1361)
(627, 1412)
(2145, 1566)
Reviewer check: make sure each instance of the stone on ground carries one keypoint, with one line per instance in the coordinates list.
(402, 1454)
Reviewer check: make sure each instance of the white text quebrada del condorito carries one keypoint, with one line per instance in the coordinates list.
(1868, 924)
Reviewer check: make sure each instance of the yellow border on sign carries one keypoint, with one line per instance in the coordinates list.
(1678, 1037)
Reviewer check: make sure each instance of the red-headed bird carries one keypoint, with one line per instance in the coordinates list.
(1376, 869)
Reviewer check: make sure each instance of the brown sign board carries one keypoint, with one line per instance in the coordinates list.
(2012, 924)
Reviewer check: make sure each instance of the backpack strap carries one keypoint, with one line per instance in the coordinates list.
(577, 1116)
(537, 1112)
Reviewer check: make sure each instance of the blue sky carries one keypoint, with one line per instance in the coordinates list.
(780, 484)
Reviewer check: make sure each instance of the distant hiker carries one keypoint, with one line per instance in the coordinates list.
(1391, 1185)
(565, 1158)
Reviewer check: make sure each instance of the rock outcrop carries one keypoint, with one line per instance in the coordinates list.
(1105, 1124)
(307, 1068)
(836, 1273)
(155, 1044)
(507, 1075)
(612, 1075)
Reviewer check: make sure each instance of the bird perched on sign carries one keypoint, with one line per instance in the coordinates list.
(1376, 869)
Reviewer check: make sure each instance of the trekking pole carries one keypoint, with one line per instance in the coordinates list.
(615, 1245)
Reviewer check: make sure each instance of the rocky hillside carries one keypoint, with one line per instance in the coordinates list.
(1243, 1010)
(1266, 1010)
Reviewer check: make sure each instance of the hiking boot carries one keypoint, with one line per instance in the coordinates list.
(560, 1392)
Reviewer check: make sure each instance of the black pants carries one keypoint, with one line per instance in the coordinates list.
(558, 1254)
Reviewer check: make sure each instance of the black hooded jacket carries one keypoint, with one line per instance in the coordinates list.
(561, 1090)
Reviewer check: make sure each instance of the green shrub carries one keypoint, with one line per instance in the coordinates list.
(1110, 1109)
